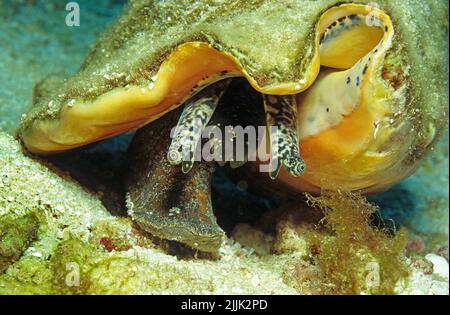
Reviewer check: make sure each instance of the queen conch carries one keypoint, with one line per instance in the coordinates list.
(359, 91)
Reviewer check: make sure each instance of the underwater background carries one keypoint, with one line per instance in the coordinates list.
(34, 43)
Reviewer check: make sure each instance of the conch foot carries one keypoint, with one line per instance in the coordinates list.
(162, 199)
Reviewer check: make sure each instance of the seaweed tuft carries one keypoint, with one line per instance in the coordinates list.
(359, 258)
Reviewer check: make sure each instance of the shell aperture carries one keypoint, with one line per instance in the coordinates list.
(281, 112)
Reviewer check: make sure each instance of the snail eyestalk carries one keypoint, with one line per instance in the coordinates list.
(195, 117)
(281, 112)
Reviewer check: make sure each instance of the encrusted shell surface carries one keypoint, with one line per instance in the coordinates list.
(148, 61)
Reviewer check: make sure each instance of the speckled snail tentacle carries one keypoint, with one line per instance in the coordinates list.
(281, 113)
(192, 122)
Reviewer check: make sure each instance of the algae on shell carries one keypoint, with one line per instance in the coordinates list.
(131, 51)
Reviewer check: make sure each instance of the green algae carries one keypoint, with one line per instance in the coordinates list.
(357, 257)
(16, 233)
(71, 263)
(29, 275)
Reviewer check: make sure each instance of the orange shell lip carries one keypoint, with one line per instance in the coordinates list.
(128, 108)
(124, 109)
(83, 123)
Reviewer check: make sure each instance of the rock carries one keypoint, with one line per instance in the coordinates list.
(77, 236)
(16, 233)
(253, 238)
(440, 265)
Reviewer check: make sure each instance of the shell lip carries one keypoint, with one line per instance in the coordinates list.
(132, 107)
